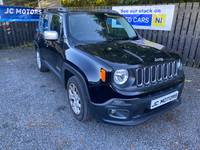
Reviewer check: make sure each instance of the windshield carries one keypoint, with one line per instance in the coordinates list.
(99, 27)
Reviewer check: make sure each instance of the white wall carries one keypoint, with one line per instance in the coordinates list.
(1, 2)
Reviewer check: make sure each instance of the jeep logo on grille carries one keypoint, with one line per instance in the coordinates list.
(158, 59)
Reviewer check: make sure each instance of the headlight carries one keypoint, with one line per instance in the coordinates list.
(121, 76)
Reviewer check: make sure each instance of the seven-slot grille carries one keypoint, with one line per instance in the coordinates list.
(156, 73)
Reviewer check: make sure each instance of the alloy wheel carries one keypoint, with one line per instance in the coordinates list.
(74, 98)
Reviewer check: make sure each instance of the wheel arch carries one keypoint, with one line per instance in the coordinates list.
(68, 71)
(36, 45)
(72, 70)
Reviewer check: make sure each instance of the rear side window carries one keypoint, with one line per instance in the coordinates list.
(40, 23)
(45, 22)
(56, 23)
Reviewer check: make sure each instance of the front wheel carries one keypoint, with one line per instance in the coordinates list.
(77, 99)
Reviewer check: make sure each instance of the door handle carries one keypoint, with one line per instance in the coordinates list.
(58, 42)
(47, 44)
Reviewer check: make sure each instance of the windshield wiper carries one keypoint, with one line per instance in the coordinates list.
(107, 41)
(112, 40)
(133, 38)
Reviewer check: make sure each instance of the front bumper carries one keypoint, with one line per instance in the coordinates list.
(135, 110)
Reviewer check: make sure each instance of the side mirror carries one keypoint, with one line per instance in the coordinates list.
(51, 35)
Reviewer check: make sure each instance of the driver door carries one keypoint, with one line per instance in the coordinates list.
(57, 45)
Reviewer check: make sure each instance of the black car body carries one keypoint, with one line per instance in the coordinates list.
(152, 73)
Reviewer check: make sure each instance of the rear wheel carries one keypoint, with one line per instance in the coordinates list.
(40, 65)
(76, 98)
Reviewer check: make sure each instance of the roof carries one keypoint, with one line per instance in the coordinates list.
(65, 10)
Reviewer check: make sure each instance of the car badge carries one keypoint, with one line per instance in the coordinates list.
(158, 59)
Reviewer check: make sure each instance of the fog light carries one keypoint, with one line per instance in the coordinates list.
(113, 111)
(119, 113)
(118, 102)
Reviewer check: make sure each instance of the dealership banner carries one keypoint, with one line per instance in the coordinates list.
(155, 17)
(19, 14)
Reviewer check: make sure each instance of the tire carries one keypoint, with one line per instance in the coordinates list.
(40, 65)
(77, 99)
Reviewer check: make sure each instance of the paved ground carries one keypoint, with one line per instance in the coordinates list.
(34, 114)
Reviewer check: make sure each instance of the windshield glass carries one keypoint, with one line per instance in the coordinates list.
(99, 27)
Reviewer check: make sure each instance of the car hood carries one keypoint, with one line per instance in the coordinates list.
(129, 52)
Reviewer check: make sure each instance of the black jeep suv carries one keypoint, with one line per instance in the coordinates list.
(109, 71)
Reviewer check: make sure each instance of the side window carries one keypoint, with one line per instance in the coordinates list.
(45, 22)
(55, 25)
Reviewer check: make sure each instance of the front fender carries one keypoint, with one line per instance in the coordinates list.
(75, 72)
(89, 66)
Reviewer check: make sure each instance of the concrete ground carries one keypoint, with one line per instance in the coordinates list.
(34, 114)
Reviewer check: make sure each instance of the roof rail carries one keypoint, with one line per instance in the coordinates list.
(106, 10)
(62, 9)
